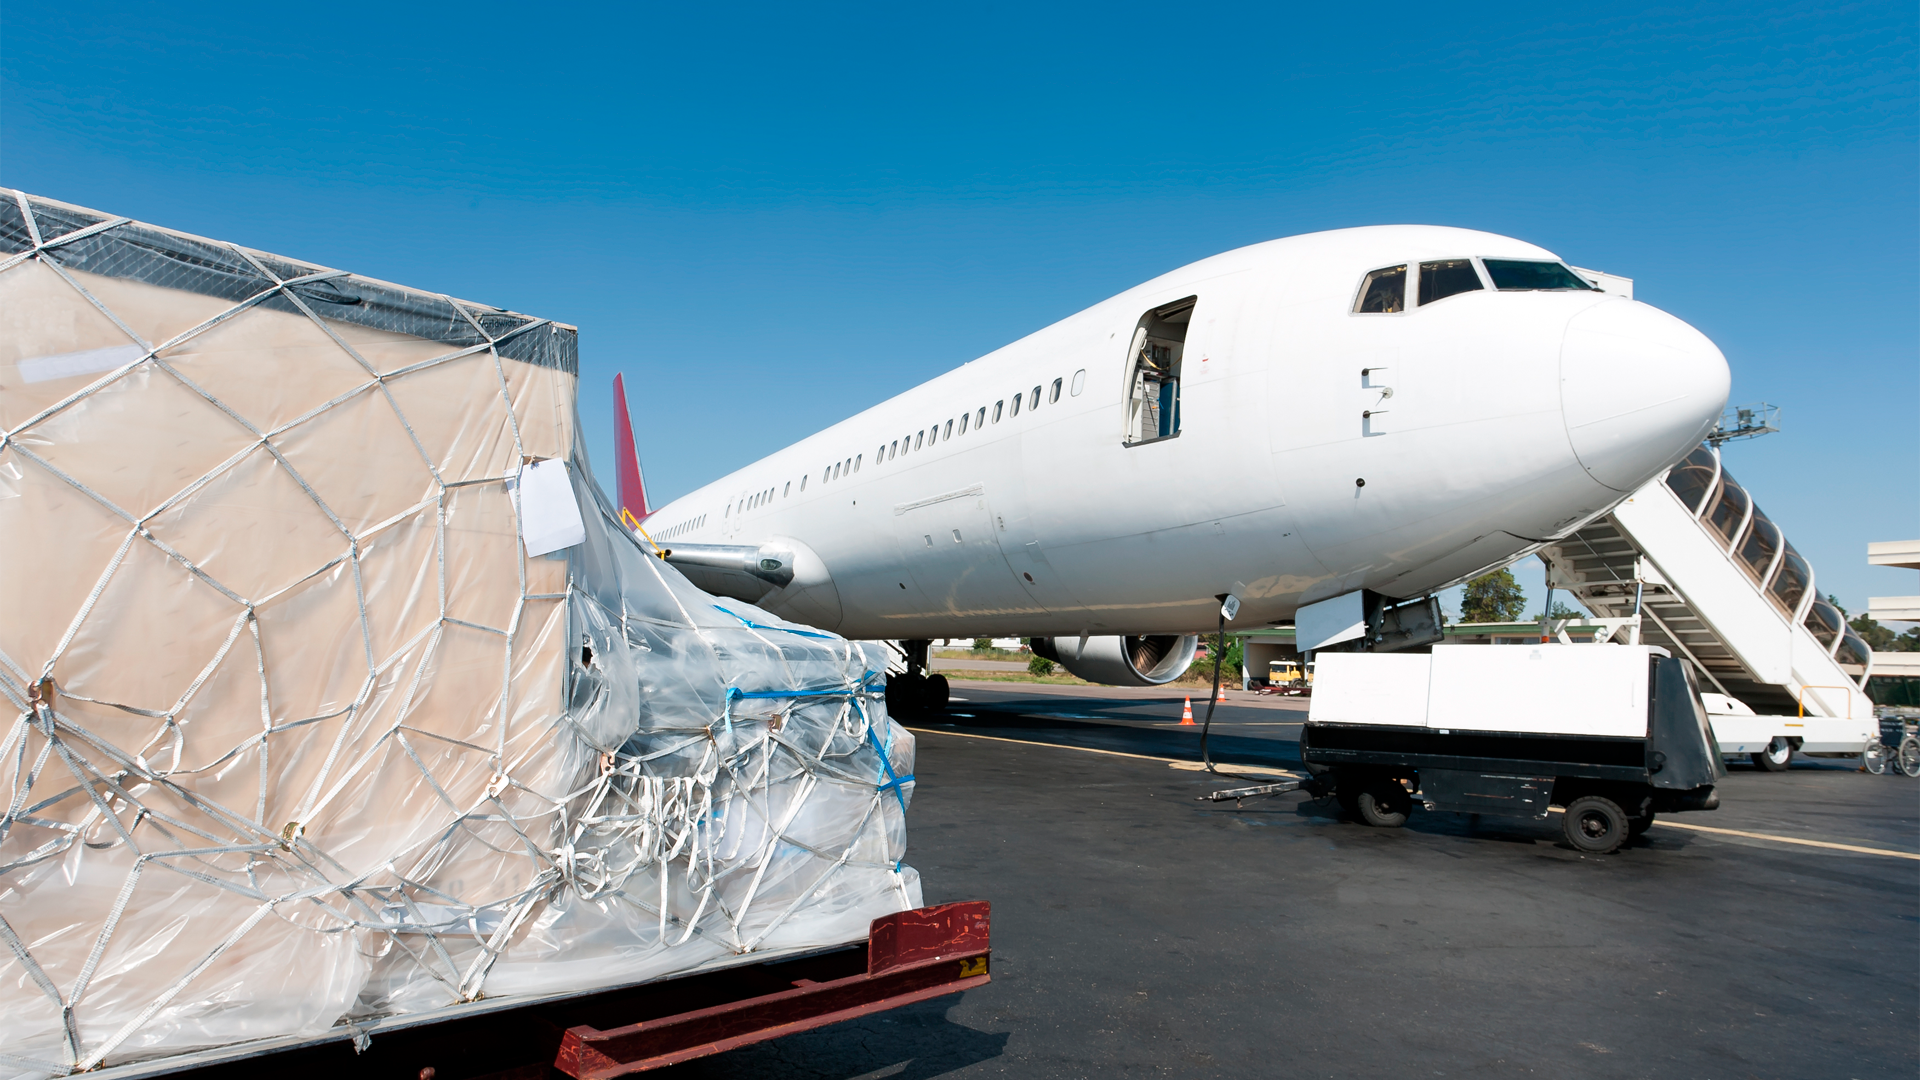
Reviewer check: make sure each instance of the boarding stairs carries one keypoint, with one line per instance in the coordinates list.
(1706, 575)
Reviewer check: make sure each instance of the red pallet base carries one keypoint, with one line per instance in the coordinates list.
(911, 956)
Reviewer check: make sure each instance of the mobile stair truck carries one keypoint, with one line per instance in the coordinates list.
(1613, 734)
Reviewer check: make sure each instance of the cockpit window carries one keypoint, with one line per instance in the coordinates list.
(1519, 275)
(1384, 293)
(1439, 280)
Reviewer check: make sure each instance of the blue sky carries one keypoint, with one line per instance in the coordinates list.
(773, 218)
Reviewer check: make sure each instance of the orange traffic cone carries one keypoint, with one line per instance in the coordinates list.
(1222, 695)
(1186, 713)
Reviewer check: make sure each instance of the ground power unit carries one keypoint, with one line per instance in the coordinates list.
(1611, 734)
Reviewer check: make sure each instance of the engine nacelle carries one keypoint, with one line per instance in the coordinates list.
(1147, 660)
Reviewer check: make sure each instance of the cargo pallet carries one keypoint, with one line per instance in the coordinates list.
(907, 957)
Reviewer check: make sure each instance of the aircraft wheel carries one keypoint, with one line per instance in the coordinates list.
(1776, 756)
(1384, 804)
(903, 694)
(1595, 824)
(934, 696)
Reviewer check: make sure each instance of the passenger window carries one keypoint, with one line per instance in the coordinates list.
(998, 406)
(1054, 394)
(788, 490)
(1016, 404)
(1035, 396)
(1153, 373)
(1384, 292)
(980, 419)
(949, 431)
(803, 482)
(1439, 280)
(1528, 275)
(893, 449)
(919, 439)
(1079, 381)
(963, 422)
(856, 463)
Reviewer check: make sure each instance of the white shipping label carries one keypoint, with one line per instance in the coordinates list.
(549, 515)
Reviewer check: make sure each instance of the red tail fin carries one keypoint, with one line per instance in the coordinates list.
(632, 489)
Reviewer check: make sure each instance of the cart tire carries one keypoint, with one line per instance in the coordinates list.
(1384, 804)
(935, 693)
(1909, 756)
(1595, 824)
(1639, 826)
(1776, 756)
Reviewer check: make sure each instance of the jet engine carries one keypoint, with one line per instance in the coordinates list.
(1146, 660)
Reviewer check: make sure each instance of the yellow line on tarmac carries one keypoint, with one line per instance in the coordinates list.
(1178, 763)
(1790, 840)
(1051, 745)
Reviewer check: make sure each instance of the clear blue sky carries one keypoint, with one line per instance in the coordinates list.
(773, 218)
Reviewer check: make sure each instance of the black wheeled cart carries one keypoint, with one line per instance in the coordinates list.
(1571, 749)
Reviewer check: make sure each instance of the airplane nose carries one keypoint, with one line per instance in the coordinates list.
(1638, 387)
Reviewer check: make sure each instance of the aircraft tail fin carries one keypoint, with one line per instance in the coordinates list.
(632, 487)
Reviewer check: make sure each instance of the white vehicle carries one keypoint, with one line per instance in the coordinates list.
(1419, 404)
(1611, 733)
(1771, 741)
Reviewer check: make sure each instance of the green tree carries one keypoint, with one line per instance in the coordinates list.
(1494, 597)
(1039, 665)
(1877, 637)
(1230, 661)
(1562, 611)
(983, 644)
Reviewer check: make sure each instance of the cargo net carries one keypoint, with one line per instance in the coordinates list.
(303, 736)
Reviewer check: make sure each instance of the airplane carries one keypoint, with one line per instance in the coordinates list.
(1342, 422)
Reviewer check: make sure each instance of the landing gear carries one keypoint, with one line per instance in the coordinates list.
(1776, 756)
(916, 690)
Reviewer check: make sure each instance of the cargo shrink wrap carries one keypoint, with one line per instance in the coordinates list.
(337, 690)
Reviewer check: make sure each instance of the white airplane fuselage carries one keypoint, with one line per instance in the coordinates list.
(1316, 450)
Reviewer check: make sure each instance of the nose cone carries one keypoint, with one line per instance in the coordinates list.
(1638, 387)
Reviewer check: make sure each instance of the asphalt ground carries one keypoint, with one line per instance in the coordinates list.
(1141, 932)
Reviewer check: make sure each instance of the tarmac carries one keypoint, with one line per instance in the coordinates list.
(1141, 932)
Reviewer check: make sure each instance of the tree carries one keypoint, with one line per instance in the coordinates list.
(1874, 635)
(1562, 611)
(1230, 661)
(982, 644)
(1039, 665)
(1494, 597)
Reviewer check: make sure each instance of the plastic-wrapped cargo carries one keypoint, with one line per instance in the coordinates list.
(339, 690)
